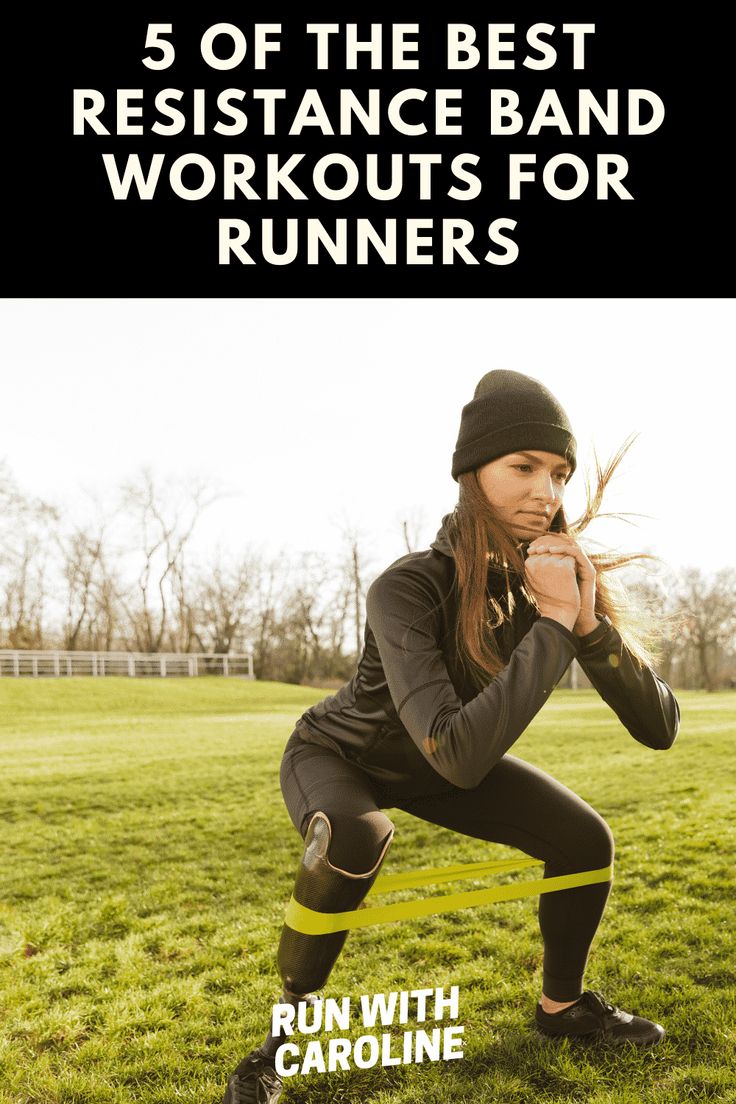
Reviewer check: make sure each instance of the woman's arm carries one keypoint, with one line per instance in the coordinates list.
(642, 701)
(461, 742)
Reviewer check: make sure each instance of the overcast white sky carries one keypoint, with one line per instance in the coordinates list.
(319, 413)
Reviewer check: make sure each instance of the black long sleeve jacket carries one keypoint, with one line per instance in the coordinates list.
(409, 714)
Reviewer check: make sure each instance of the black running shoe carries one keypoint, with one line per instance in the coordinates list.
(255, 1081)
(591, 1015)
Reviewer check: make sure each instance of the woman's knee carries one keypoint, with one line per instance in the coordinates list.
(596, 842)
(358, 842)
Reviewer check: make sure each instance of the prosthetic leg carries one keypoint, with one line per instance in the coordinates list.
(304, 961)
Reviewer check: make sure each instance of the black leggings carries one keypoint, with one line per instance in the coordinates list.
(516, 804)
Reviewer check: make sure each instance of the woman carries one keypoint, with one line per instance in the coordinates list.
(443, 690)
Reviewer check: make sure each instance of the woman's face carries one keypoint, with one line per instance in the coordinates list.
(525, 489)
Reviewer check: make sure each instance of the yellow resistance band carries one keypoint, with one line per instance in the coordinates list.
(309, 922)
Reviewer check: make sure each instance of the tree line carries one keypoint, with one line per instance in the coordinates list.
(129, 580)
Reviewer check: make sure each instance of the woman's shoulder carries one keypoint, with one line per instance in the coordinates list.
(417, 578)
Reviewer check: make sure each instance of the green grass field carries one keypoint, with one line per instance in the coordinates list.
(148, 858)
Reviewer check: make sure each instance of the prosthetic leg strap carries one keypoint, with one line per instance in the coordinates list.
(310, 922)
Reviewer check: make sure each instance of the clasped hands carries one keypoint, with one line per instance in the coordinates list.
(563, 580)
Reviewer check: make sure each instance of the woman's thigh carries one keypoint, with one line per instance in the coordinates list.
(522, 806)
(316, 779)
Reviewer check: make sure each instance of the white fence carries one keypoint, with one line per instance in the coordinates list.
(23, 663)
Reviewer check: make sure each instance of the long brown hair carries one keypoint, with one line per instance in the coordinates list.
(480, 542)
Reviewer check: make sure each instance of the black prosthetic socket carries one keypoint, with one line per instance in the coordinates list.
(305, 961)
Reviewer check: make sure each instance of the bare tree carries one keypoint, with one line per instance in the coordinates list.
(165, 518)
(262, 617)
(352, 590)
(24, 597)
(26, 528)
(308, 623)
(303, 618)
(87, 584)
(105, 621)
(708, 604)
(220, 598)
(412, 525)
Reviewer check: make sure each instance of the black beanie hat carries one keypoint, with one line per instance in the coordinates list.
(510, 411)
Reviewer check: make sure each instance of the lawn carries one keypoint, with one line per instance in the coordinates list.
(148, 859)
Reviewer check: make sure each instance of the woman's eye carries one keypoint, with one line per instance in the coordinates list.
(561, 477)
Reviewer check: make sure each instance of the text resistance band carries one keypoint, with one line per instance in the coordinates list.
(309, 922)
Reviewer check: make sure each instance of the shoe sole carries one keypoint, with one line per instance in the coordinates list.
(600, 1036)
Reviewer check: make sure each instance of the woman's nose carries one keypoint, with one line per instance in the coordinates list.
(545, 489)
